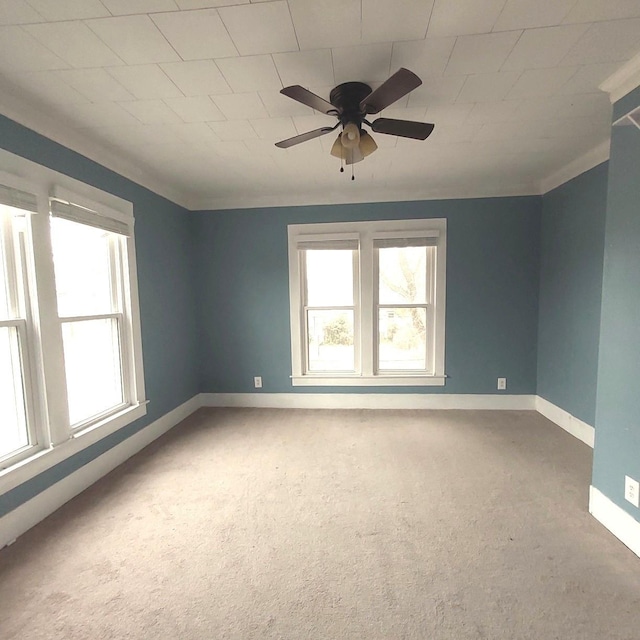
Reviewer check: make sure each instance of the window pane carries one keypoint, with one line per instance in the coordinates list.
(92, 362)
(403, 275)
(329, 278)
(82, 268)
(330, 340)
(13, 418)
(402, 339)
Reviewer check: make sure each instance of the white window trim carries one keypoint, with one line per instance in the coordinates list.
(366, 233)
(56, 441)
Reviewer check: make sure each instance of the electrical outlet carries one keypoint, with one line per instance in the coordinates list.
(257, 382)
(502, 384)
(632, 491)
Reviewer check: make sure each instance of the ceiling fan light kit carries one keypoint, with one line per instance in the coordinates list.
(351, 103)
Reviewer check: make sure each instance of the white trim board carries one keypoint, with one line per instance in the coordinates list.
(576, 167)
(369, 401)
(617, 520)
(624, 80)
(30, 513)
(576, 427)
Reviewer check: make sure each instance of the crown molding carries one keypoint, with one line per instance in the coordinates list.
(624, 80)
(370, 196)
(17, 107)
(576, 167)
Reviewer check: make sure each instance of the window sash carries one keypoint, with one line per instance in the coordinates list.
(340, 242)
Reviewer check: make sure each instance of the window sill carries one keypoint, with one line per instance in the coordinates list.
(43, 459)
(368, 381)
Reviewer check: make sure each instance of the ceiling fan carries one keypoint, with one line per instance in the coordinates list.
(351, 103)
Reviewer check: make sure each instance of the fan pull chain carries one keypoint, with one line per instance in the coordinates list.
(352, 176)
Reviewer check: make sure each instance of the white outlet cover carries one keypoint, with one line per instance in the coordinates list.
(502, 383)
(257, 382)
(632, 491)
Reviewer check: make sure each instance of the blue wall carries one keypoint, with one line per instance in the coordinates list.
(492, 293)
(571, 256)
(617, 445)
(164, 242)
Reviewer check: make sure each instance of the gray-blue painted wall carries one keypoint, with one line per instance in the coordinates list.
(617, 444)
(571, 257)
(164, 243)
(492, 292)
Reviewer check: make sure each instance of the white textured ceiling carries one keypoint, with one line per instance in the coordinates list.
(184, 94)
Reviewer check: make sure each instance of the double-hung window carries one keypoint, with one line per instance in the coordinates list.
(17, 429)
(89, 257)
(368, 302)
(70, 344)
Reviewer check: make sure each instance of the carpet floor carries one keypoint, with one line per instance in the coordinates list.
(245, 524)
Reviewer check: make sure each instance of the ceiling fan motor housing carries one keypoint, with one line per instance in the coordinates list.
(346, 98)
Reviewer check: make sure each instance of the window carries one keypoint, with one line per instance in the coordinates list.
(70, 348)
(17, 429)
(368, 302)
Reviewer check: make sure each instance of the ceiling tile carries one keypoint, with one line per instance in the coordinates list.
(453, 114)
(278, 105)
(196, 35)
(241, 106)
(596, 10)
(134, 38)
(274, 129)
(99, 115)
(364, 63)
(145, 81)
(206, 4)
(233, 130)
(250, 73)
(128, 7)
(95, 84)
(589, 77)
(17, 12)
(196, 109)
(305, 68)
(540, 82)
(260, 28)
(492, 112)
(437, 91)
(565, 106)
(481, 53)
(525, 14)
(463, 17)
(75, 43)
(197, 77)
(49, 86)
(487, 87)
(427, 57)
(151, 111)
(384, 21)
(545, 47)
(19, 51)
(606, 42)
(69, 9)
(329, 23)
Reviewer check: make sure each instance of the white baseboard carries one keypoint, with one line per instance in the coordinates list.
(368, 401)
(617, 520)
(28, 514)
(564, 419)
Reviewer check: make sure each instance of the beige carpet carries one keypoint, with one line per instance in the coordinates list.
(247, 523)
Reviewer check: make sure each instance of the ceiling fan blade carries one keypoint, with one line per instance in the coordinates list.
(399, 84)
(403, 128)
(303, 137)
(300, 94)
